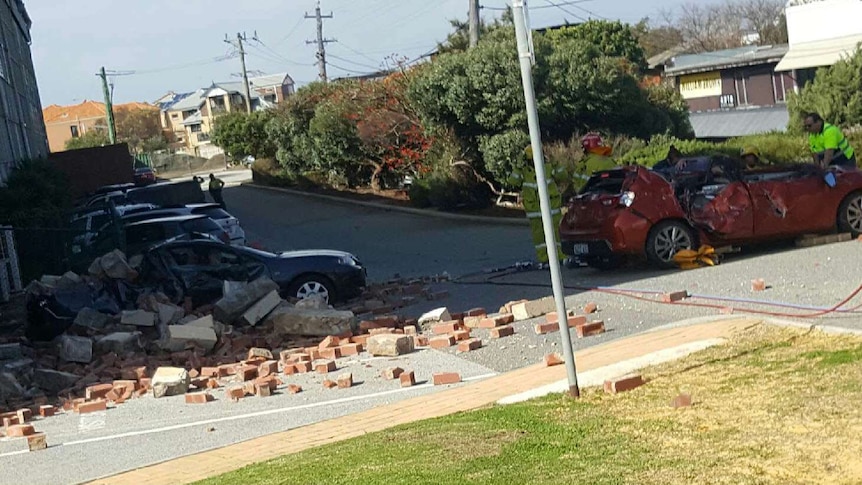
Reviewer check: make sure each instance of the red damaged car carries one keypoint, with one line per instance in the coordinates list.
(636, 211)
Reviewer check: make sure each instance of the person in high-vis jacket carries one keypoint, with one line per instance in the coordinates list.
(524, 179)
(597, 157)
(827, 143)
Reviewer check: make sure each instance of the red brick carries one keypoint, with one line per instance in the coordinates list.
(235, 393)
(446, 327)
(198, 398)
(545, 328)
(381, 331)
(113, 396)
(263, 390)
(10, 421)
(46, 411)
(681, 401)
(227, 369)
(331, 354)
(498, 321)
(350, 349)
(212, 384)
(313, 352)
(407, 379)
(210, 372)
(329, 342)
(247, 372)
(194, 373)
(758, 285)
(285, 355)
(345, 381)
(360, 339)
(294, 389)
(623, 384)
(590, 329)
(574, 320)
(124, 386)
(442, 378)
(392, 373)
(302, 367)
(325, 367)
(92, 407)
(461, 335)
(98, 391)
(145, 383)
(674, 297)
(24, 415)
(500, 332)
(590, 307)
(469, 345)
(257, 353)
(458, 317)
(288, 369)
(299, 357)
(329, 384)
(19, 430)
(420, 341)
(441, 342)
(366, 326)
(268, 367)
(134, 373)
(476, 312)
(37, 442)
(554, 359)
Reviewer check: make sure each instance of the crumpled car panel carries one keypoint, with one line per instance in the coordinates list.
(728, 212)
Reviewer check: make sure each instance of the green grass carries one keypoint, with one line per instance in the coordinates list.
(762, 414)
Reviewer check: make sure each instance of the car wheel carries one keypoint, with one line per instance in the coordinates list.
(605, 263)
(666, 239)
(850, 214)
(311, 285)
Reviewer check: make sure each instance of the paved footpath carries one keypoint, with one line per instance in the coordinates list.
(459, 398)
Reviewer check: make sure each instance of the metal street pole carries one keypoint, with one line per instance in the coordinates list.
(525, 56)
(109, 107)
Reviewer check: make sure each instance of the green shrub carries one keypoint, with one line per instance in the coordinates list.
(455, 189)
(36, 195)
(419, 193)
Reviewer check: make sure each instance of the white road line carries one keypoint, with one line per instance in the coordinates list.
(248, 415)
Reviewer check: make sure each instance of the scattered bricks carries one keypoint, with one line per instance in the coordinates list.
(345, 380)
(249, 389)
(554, 359)
(681, 401)
(19, 430)
(420, 341)
(235, 393)
(329, 342)
(24, 415)
(446, 327)
(331, 354)
(476, 312)
(350, 349)
(263, 389)
(301, 357)
(674, 297)
(411, 330)
(198, 398)
(294, 389)
(758, 285)
(37, 442)
(302, 367)
(247, 373)
(329, 384)
(590, 329)
(574, 320)
(461, 335)
(7, 422)
(257, 353)
(443, 378)
(92, 407)
(314, 352)
(98, 391)
(212, 384)
(288, 369)
(360, 339)
(501, 332)
(145, 383)
(267, 368)
(497, 321)
(441, 342)
(113, 396)
(469, 345)
(124, 386)
(325, 367)
(623, 384)
(46, 411)
(473, 322)
(407, 379)
(381, 331)
(590, 308)
(392, 373)
(210, 372)
(545, 328)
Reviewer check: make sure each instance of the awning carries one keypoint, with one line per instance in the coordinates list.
(739, 122)
(818, 53)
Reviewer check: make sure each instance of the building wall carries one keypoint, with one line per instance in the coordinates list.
(827, 19)
(22, 132)
(748, 86)
(59, 132)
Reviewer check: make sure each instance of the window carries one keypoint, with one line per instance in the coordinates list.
(271, 98)
(195, 128)
(174, 116)
(74, 129)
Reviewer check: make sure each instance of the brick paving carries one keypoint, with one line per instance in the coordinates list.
(462, 398)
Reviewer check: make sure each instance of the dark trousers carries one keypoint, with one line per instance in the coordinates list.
(217, 198)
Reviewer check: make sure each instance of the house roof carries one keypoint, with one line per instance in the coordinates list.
(87, 109)
(819, 53)
(167, 101)
(190, 102)
(270, 80)
(661, 58)
(711, 61)
(193, 119)
(739, 122)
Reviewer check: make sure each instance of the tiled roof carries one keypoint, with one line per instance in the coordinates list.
(87, 110)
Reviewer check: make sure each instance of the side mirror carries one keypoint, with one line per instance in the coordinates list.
(830, 179)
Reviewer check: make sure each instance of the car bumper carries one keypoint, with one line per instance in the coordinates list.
(350, 283)
(623, 233)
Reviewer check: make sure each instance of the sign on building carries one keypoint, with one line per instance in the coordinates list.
(700, 85)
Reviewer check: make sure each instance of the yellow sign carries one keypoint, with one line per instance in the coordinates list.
(700, 85)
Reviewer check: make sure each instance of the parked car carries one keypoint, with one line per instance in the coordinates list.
(712, 200)
(162, 194)
(140, 236)
(199, 269)
(144, 176)
(88, 223)
(229, 223)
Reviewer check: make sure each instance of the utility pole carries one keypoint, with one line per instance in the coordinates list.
(525, 56)
(109, 107)
(474, 23)
(321, 41)
(240, 38)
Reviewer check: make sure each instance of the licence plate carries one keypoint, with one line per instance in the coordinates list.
(580, 249)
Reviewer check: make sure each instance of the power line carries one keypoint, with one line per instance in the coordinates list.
(539, 7)
(290, 32)
(559, 6)
(176, 67)
(351, 49)
(273, 54)
(333, 56)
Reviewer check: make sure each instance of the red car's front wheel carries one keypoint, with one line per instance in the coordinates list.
(850, 214)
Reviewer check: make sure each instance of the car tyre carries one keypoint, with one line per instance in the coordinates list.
(850, 214)
(667, 238)
(309, 285)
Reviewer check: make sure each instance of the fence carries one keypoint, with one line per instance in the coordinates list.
(10, 274)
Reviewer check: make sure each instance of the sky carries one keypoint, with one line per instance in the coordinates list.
(178, 45)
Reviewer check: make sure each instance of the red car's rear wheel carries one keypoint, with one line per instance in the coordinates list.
(666, 239)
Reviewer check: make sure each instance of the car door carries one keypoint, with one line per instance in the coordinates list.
(722, 203)
(790, 203)
(203, 269)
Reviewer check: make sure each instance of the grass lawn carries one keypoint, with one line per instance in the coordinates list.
(773, 406)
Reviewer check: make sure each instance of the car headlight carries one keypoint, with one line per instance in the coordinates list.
(627, 199)
(349, 260)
